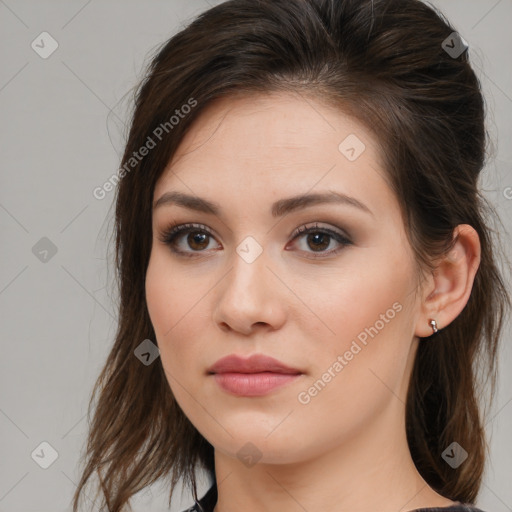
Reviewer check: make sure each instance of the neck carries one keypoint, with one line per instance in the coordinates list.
(371, 470)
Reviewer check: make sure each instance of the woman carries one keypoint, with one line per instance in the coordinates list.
(300, 233)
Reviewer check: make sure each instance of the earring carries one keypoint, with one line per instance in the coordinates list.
(433, 324)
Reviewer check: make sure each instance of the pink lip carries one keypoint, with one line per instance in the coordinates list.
(254, 364)
(253, 376)
(252, 384)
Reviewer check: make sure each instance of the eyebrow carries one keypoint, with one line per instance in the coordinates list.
(278, 209)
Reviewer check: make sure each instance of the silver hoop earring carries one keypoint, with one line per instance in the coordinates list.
(433, 324)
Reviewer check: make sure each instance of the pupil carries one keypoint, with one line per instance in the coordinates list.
(319, 237)
(197, 238)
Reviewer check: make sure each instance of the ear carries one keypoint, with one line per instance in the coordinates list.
(447, 289)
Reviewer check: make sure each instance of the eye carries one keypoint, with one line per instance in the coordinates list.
(198, 238)
(319, 239)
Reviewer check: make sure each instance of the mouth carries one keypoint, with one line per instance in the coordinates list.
(256, 363)
(256, 375)
(253, 384)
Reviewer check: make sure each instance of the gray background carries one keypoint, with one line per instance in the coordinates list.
(62, 135)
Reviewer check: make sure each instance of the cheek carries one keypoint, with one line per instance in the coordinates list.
(366, 318)
(160, 291)
(358, 366)
(174, 308)
(354, 298)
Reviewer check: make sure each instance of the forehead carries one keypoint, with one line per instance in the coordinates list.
(276, 120)
(275, 143)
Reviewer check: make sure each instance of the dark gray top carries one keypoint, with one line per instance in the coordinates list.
(208, 501)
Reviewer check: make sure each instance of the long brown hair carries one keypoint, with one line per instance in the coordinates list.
(384, 62)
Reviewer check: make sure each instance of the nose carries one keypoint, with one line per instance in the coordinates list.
(250, 297)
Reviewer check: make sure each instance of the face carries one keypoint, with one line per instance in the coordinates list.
(325, 287)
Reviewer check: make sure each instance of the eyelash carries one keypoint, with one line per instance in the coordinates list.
(172, 232)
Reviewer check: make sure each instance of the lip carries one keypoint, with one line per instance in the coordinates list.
(253, 376)
(256, 363)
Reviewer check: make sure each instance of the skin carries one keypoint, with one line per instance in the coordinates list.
(346, 448)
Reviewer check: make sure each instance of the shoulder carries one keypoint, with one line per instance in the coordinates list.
(193, 508)
(459, 507)
(196, 507)
(206, 503)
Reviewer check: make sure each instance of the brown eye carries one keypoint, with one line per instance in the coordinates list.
(318, 241)
(196, 240)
